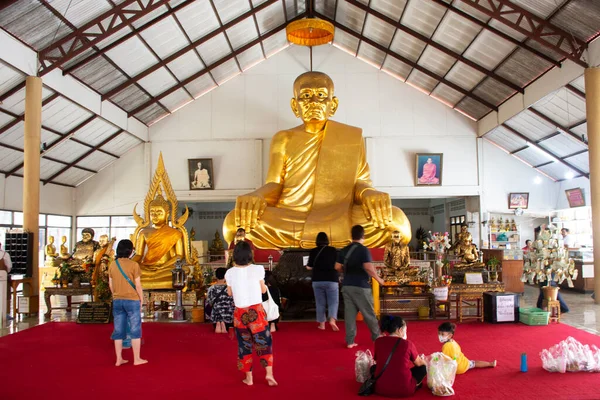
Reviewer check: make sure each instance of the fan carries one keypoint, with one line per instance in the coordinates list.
(519, 212)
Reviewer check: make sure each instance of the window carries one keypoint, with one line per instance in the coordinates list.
(455, 225)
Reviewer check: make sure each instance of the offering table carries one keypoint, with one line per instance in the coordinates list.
(68, 292)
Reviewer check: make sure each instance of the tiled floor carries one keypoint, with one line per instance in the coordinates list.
(584, 314)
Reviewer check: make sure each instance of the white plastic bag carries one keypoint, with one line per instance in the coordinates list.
(570, 355)
(441, 371)
(271, 308)
(362, 365)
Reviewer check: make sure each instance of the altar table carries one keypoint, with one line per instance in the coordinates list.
(68, 292)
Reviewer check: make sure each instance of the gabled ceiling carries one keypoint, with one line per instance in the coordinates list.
(151, 57)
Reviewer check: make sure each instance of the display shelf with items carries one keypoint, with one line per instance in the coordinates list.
(503, 233)
(578, 221)
(19, 245)
(510, 268)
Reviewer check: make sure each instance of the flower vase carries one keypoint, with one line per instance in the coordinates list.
(439, 264)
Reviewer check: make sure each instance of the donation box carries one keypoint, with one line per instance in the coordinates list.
(500, 307)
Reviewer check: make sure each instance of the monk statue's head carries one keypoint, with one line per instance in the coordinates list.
(87, 234)
(103, 240)
(313, 97)
(63, 239)
(396, 237)
(50, 239)
(159, 210)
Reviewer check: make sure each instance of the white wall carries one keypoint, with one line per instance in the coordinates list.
(54, 199)
(503, 174)
(117, 188)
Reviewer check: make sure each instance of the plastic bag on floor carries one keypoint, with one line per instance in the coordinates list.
(441, 371)
(570, 355)
(362, 365)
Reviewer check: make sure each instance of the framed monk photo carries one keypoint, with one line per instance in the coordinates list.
(575, 197)
(200, 174)
(429, 169)
(518, 200)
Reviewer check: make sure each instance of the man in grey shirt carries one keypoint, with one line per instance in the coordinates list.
(356, 264)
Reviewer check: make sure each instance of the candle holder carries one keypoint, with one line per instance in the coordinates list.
(178, 276)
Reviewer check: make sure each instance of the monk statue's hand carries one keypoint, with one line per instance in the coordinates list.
(377, 207)
(248, 209)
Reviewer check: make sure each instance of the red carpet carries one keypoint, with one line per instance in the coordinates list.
(69, 361)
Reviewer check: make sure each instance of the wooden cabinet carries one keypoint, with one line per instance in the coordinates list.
(511, 271)
(581, 284)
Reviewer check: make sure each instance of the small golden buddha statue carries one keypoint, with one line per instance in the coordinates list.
(396, 259)
(51, 254)
(318, 181)
(466, 250)
(158, 245)
(217, 244)
(64, 250)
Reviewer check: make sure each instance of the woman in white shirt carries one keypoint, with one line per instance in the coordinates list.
(246, 283)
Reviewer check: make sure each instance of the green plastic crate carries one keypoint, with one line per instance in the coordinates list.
(533, 316)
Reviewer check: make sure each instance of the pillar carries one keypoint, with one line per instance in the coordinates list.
(592, 106)
(31, 176)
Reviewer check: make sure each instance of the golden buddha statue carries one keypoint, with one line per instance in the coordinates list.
(83, 252)
(64, 250)
(318, 181)
(157, 244)
(217, 244)
(51, 254)
(466, 250)
(396, 259)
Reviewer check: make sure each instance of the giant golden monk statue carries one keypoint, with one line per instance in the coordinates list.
(318, 181)
(158, 244)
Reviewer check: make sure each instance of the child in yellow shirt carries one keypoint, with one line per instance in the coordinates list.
(452, 350)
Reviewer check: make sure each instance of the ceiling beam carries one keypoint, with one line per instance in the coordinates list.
(519, 149)
(532, 26)
(576, 124)
(170, 11)
(214, 65)
(185, 49)
(84, 155)
(550, 136)
(435, 45)
(409, 62)
(544, 150)
(12, 91)
(93, 32)
(556, 124)
(575, 154)
(19, 118)
(575, 90)
(56, 142)
(543, 164)
(503, 35)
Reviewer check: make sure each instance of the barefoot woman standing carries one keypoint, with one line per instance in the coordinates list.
(127, 301)
(246, 283)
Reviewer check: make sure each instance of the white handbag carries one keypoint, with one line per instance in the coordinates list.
(271, 308)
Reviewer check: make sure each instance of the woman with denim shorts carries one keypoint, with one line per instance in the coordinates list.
(126, 287)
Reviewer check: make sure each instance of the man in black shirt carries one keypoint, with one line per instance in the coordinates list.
(356, 264)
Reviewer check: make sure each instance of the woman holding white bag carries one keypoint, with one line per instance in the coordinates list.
(246, 283)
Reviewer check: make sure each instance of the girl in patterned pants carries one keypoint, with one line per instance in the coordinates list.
(252, 329)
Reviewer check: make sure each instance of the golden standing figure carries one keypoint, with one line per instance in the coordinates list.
(318, 181)
(396, 259)
(102, 259)
(157, 244)
(51, 253)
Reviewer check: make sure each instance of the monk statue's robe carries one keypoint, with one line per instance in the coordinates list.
(160, 255)
(322, 178)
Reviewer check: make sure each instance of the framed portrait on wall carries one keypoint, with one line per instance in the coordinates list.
(429, 169)
(518, 200)
(200, 174)
(575, 197)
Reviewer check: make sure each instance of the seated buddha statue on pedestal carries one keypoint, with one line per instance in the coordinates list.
(467, 251)
(50, 252)
(83, 252)
(318, 181)
(158, 245)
